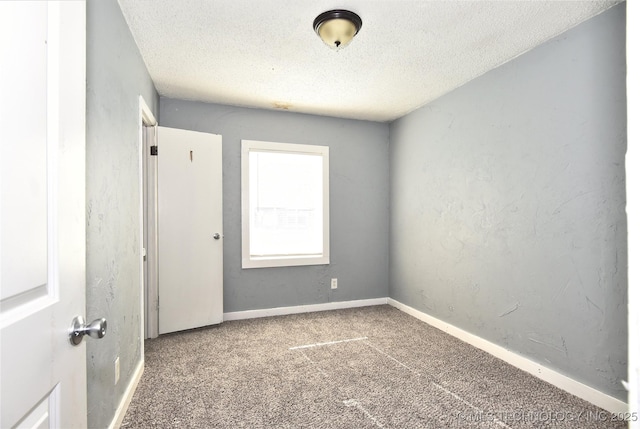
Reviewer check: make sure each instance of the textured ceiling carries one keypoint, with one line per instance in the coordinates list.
(265, 54)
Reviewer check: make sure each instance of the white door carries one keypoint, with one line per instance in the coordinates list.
(42, 250)
(189, 229)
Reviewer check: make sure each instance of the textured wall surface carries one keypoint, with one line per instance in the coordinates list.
(508, 205)
(359, 199)
(116, 76)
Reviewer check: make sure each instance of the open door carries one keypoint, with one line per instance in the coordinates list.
(42, 253)
(189, 170)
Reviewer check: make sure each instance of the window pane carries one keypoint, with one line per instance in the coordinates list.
(285, 204)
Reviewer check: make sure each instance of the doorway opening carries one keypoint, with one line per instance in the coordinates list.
(147, 137)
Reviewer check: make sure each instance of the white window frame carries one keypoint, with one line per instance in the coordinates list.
(283, 261)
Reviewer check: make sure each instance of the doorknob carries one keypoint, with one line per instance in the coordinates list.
(96, 329)
(216, 236)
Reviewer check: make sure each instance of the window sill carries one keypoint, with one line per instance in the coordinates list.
(272, 262)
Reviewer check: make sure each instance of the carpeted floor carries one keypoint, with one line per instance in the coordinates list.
(372, 367)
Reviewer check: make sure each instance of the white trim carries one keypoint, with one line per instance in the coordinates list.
(151, 194)
(127, 397)
(633, 206)
(285, 261)
(146, 115)
(282, 311)
(561, 381)
(146, 118)
(143, 112)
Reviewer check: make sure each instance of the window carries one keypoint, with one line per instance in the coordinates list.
(285, 204)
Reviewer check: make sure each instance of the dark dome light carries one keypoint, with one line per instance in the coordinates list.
(337, 27)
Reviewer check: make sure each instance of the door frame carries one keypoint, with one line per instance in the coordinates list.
(147, 125)
(633, 210)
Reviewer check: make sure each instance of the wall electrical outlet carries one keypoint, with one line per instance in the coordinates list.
(334, 283)
(117, 370)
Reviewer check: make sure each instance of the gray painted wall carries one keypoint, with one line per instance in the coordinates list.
(508, 205)
(116, 76)
(359, 199)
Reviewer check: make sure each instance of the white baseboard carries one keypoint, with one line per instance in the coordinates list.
(561, 381)
(128, 395)
(281, 311)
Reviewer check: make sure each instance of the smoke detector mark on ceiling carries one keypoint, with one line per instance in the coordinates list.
(281, 105)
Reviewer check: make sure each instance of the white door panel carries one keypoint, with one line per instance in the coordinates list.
(189, 215)
(25, 201)
(42, 233)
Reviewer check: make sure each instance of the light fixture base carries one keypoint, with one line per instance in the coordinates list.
(337, 27)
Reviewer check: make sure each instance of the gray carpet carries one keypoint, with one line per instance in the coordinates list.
(372, 367)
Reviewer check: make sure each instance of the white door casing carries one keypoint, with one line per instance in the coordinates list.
(189, 216)
(42, 250)
(633, 207)
(149, 214)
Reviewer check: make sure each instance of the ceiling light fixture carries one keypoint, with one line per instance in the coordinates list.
(337, 27)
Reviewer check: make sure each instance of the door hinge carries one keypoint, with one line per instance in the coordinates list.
(154, 150)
